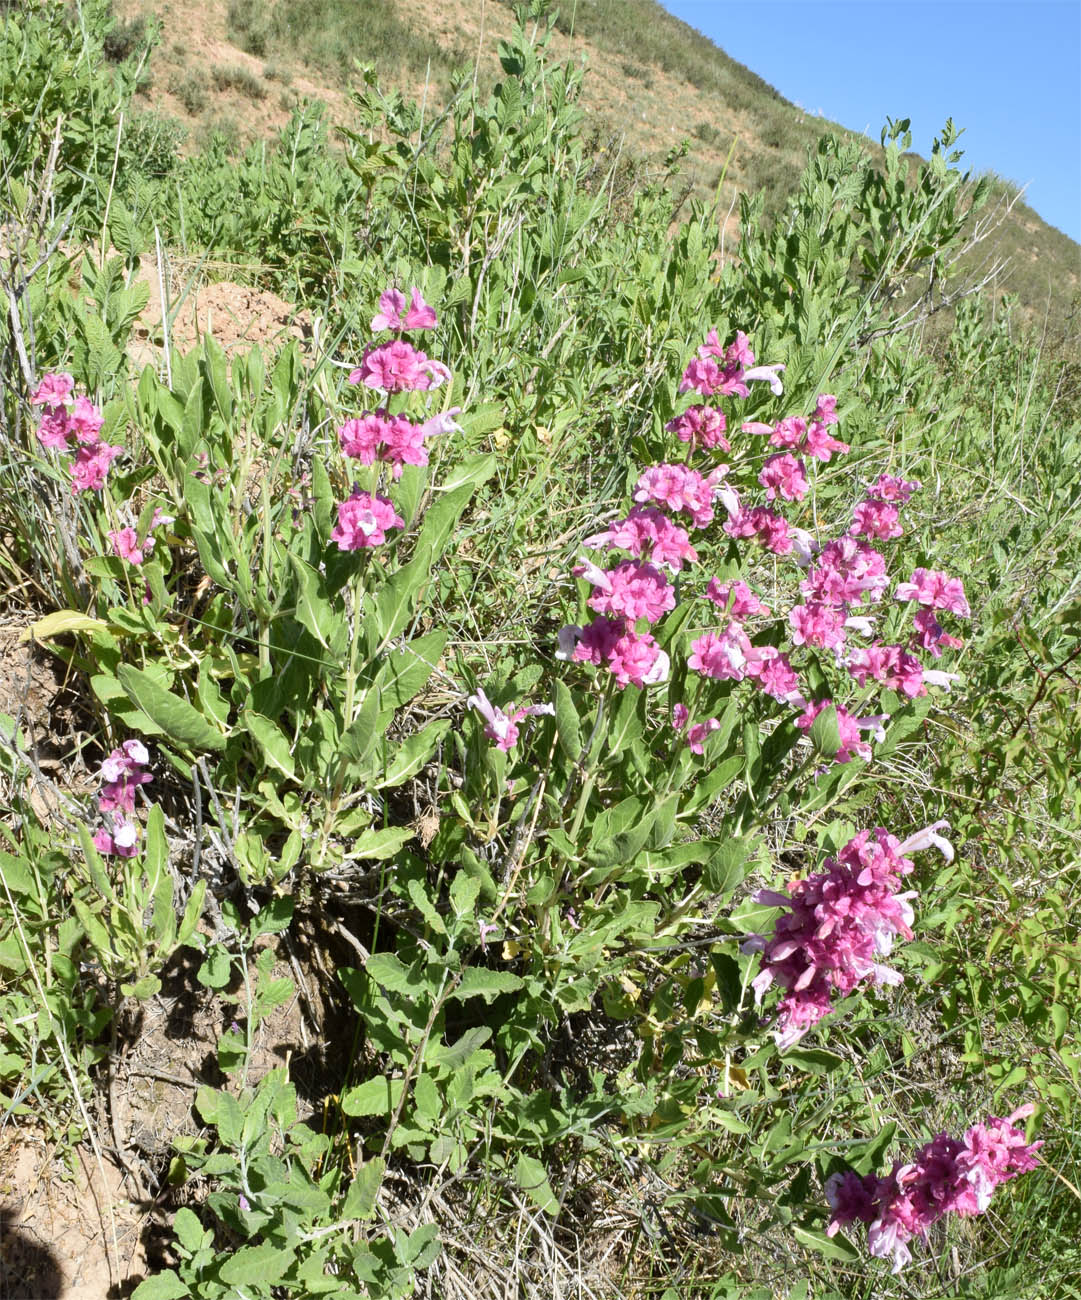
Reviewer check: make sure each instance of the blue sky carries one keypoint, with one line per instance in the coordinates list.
(1010, 73)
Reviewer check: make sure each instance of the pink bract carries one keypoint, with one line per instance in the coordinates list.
(785, 476)
(934, 589)
(735, 598)
(91, 466)
(398, 367)
(701, 426)
(53, 390)
(363, 520)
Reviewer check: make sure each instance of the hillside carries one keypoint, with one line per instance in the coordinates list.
(239, 66)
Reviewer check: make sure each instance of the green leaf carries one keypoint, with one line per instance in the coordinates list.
(314, 608)
(413, 753)
(175, 716)
(376, 1097)
(59, 622)
(488, 984)
(813, 1060)
(406, 671)
(272, 742)
(256, 1265)
(825, 732)
(838, 1247)
(568, 731)
(189, 1230)
(360, 1198)
(374, 845)
(162, 1286)
(532, 1178)
(389, 972)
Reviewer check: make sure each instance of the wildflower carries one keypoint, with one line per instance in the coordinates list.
(764, 525)
(53, 390)
(397, 367)
(681, 489)
(698, 733)
(721, 655)
(121, 773)
(592, 644)
(817, 624)
(484, 929)
(837, 925)
(847, 571)
(648, 531)
(889, 664)
(934, 589)
(826, 409)
(789, 432)
(85, 421)
(946, 1176)
(120, 841)
(91, 465)
(772, 673)
(363, 520)
(701, 426)
(930, 635)
(783, 475)
(889, 488)
(820, 444)
(636, 659)
(125, 541)
(54, 428)
(706, 376)
(873, 518)
(500, 726)
(393, 314)
(442, 423)
(735, 598)
(630, 590)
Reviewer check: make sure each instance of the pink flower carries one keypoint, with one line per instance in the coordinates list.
(86, 421)
(680, 488)
(774, 676)
(420, 315)
(764, 525)
(736, 599)
(697, 735)
(889, 664)
(361, 438)
(705, 376)
(946, 1176)
(873, 518)
(91, 465)
(393, 314)
(701, 426)
(120, 841)
(630, 590)
(817, 624)
(121, 773)
(397, 367)
(648, 531)
(784, 475)
(847, 571)
(820, 444)
(54, 428)
(125, 543)
(500, 726)
(936, 590)
(637, 659)
(363, 520)
(592, 644)
(839, 922)
(53, 390)
(888, 488)
(826, 409)
(789, 432)
(721, 655)
(930, 635)
(391, 307)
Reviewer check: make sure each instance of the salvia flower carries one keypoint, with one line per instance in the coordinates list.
(648, 532)
(53, 390)
(721, 655)
(784, 476)
(767, 528)
(499, 725)
(874, 518)
(393, 314)
(120, 842)
(398, 367)
(121, 773)
(839, 922)
(682, 490)
(701, 426)
(847, 571)
(363, 521)
(848, 728)
(91, 466)
(888, 487)
(946, 1176)
(934, 589)
(817, 624)
(929, 634)
(631, 590)
(735, 598)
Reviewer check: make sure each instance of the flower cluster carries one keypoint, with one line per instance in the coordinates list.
(947, 1176)
(837, 925)
(499, 725)
(121, 775)
(390, 437)
(127, 544)
(727, 371)
(77, 429)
